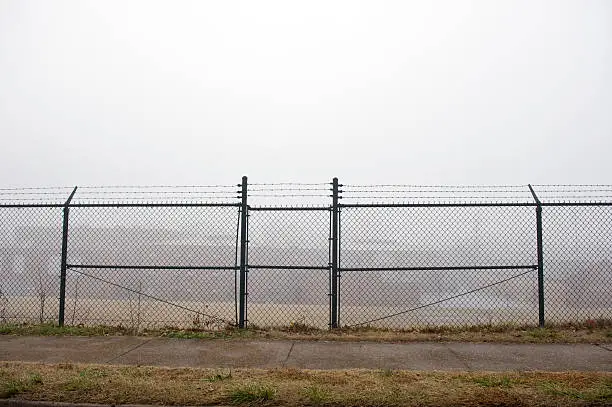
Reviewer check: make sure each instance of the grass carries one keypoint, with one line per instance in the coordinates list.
(316, 395)
(601, 395)
(251, 394)
(107, 384)
(588, 331)
(218, 377)
(493, 381)
(18, 384)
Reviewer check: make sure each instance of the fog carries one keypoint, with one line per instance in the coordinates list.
(451, 92)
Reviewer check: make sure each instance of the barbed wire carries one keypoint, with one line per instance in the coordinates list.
(405, 197)
(575, 196)
(288, 195)
(450, 191)
(432, 186)
(287, 189)
(290, 183)
(65, 193)
(31, 199)
(33, 188)
(156, 186)
(573, 185)
(556, 191)
(165, 198)
(153, 193)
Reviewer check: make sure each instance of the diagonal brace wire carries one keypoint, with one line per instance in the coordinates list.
(216, 318)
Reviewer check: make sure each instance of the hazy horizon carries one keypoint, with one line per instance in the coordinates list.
(191, 93)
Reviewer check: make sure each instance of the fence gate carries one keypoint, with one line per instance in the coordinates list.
(288, 266)
(152, 265)
(405, 266)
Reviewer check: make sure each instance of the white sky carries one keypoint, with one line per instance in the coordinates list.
(420, 92)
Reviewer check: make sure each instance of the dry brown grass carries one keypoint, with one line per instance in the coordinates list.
(567, 333)
(590, 331)
(293, 387)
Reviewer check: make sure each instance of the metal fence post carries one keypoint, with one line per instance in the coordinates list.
(540, 258)
(334, 269)
(243, 254)
(62, 293)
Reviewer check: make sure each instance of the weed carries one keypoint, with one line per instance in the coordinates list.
(35, 378)
(218, 377)
(252, 394)
(13, 387)
(300, 327)
(596, 394)
(543, 333)
(387, 373)
(316, 395)
(492, 381)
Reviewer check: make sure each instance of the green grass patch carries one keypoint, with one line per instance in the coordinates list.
(492, 381)
(387, 373)
(14, 386)
(252, 394)
(316, 395)
(543, 333)
(55, 330)
(597, 394)
(218, 377)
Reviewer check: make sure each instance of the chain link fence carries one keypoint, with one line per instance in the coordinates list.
(288, 277)
(184, 257)
(30, 247)
(578, 262)
(414, 266)
(152, 266)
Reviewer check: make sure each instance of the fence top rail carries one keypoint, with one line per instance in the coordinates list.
(304, 208)
(41, 205)
(121, 205)
(289, 208)
(436, 204)
(153, 205)
(470, 204)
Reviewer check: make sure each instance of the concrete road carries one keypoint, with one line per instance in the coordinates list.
(125, 350)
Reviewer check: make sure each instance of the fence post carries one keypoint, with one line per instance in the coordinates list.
(62, 293)
(540, 258)
(243, 254)
(334, 269)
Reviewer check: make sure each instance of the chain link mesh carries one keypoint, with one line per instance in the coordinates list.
(277, 294)
(577, 262)
(119, 260)
(30, 249)
(401, 266)
(442, 249)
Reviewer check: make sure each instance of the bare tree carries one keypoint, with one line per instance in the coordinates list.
(76, 298)
(42, 296)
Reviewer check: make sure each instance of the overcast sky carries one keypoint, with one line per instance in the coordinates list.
(420, 92)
